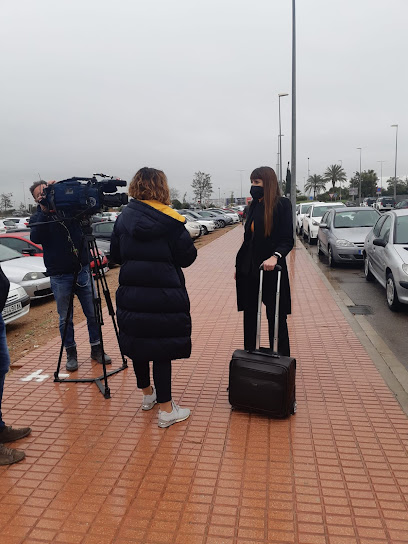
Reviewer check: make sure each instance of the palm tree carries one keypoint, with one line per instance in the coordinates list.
(315, 183)
(335, 173)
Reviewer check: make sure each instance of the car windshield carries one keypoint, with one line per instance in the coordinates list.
(319, 211)
(6, 254)
(387, 200)
(206, 214)
(401, 230)
(193, 214)
(357, 219)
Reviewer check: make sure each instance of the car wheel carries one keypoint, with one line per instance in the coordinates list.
(332, 262)
(319, 250)
(392, 297)
(222, 223)
(368, 275)
(205, 230)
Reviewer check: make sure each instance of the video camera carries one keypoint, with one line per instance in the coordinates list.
(71, 197)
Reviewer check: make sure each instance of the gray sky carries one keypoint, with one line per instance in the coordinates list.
(188, 85)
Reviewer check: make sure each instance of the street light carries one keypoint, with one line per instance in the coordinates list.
(341, 166)
(219, 197)
(280, 141)
(359, 195)
(381, 173)
(240, 173)
(395, 166)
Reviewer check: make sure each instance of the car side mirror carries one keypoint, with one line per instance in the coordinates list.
(379, 242)
(29, 251)
(323, 225)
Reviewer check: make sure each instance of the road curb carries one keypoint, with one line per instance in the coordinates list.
(392, 371)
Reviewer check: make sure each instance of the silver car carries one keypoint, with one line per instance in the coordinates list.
(29, 272)
(342, 232)
(386, 256)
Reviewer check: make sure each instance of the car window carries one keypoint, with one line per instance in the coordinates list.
(385, 229)
(325, 216)
(401, 230)
(318, 211)
(378, 225)
(360, 218)
(7, 254)
(17, 244)
(304, 208)
(104, 228)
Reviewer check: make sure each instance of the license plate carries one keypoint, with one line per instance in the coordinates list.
(13, 308)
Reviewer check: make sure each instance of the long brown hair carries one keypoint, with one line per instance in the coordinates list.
(271, 193)
(150, 184)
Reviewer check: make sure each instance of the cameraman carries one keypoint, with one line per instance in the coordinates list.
(61, 243)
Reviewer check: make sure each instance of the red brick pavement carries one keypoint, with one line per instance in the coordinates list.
(100, 471)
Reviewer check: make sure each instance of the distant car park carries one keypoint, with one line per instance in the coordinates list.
(369, 201)
(384, 203)
(342, 232)
(401, 205)
(386, 256)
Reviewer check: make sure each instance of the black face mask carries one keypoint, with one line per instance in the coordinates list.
(257, 192)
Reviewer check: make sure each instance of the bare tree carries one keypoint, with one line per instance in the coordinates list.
(202, 187)
(5, 201)
(174, 194)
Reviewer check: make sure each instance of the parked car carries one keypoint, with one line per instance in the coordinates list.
(221, 220)
(97, 218)
(234, 216)
(110, 216)
(313, 216)
(28, 272)
(384, 203)
(20, 222)
(300, 213)
(342, 232)
(193, 228)
(20, 241)
(350, 204)
(369, 201)
(401, 205)
(207, 225)
(7, 224)
(386, 256)
(17, 303)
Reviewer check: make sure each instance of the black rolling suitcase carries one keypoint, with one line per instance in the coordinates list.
(262, 380)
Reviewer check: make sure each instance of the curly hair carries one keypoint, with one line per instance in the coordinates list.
(150, 184)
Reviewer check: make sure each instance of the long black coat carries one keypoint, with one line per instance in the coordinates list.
(256, 249)
(153, 308)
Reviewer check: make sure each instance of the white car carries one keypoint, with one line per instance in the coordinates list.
(28, 272)
(193, 228)
(7, 224)
(312, 218)
(384, 203)
(208, 225)
(234, 216)
(301, 210)
(17, 303)
(20, 222)
(386, 256)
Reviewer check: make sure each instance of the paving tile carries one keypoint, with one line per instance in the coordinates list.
(100, 471)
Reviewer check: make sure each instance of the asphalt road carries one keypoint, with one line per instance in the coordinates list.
(391, 326)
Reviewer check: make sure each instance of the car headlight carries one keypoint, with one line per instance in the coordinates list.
(344, 243)
(405, 268)
(21, 292)
(315, 223)
(33, 276)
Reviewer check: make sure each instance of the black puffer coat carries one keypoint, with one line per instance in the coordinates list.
(153, 308)
(256, 249)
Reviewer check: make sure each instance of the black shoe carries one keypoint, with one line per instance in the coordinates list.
(9, 456)
(72, 359)
(8, 434)
(96, 353)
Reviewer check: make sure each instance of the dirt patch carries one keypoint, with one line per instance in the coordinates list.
(41, 323)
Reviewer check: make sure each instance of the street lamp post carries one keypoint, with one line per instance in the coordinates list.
(359, 192)
(395, 164)
(293, 150)
(381, 162)
(240, 174)
(341, 166)
(280, 141)
(219, 197)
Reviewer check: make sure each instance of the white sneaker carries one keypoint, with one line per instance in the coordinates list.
(177, 414)
(149, 400)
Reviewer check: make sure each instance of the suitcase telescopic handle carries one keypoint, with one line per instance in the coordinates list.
(278, 268)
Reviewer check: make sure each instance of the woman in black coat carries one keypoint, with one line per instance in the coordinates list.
(151, 243)
(268, 239)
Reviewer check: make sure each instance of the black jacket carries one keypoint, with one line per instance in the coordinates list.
(256, 249)
(59, 256)
(153, 308)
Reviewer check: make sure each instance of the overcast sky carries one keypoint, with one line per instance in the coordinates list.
(187, 85)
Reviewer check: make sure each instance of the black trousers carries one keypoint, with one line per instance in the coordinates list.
(161, 377)
(250, 317)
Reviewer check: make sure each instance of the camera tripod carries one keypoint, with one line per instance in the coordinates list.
(89, 243)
